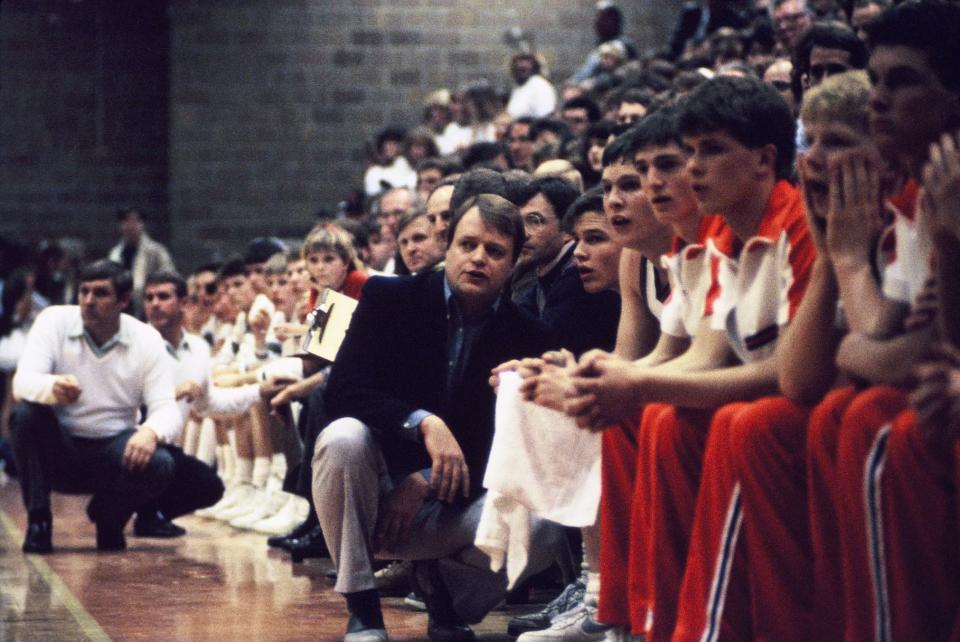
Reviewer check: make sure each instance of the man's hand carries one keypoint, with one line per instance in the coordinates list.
(189, 390)
(286, 331)
(260, 323)
(937, 395)
(450, 472)
(66, 389)
(401, 506)
(140, 449)
(606, 389)
(925, 307)
(941, 184)
(274, 385)
(552, 385)
(292, 392)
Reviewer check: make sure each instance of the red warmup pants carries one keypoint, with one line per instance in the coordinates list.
(823, 434)
(665, 503)
(623, 596)
(899, 531)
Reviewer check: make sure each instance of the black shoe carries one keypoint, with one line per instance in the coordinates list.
(283, 541)
(310, 545)
(156, 524)
(569, 598)
(110, 524)
(39, 538)
(444, 624)
(439, 632)
(110, 537)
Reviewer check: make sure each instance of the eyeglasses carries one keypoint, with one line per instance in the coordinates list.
(534, 220)
(790, 18)
(780, 85)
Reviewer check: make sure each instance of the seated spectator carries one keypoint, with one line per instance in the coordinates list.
(532, 95)
(418, 248)
(138, 252)
(438, 211)
(332, 263)
(520, 140)
(388, 168)
(431, 171)
(865, 12)
(579, 114)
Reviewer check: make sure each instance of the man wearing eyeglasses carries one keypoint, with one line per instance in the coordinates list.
(790, 19)
(578, 320)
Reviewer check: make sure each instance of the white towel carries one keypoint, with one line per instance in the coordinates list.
(540, 463)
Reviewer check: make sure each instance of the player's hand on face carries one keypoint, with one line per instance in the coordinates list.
(816, 220)
(941, 183)
(66, 389)
(855, 212)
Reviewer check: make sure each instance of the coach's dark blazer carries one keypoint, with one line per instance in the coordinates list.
(393, 362)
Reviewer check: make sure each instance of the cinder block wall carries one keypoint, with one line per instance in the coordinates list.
(259, 111)
(83, 117)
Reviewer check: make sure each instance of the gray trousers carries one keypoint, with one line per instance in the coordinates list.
(350, 481)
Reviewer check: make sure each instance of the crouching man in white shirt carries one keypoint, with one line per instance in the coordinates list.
(85, 372)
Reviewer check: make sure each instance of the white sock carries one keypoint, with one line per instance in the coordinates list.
(243, 472)
(207, 441)
(261, 471)
(221, 459)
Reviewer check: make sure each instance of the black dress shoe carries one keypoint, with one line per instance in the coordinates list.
(156, 524)
(110, 524)
(39, 538)
(283, 541)
(444, 624)
(440, 632)
(110, 537)
(310, 545)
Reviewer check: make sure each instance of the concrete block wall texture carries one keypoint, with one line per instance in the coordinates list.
(269, 102)
(83, 118)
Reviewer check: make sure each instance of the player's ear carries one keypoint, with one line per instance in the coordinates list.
(767, 159)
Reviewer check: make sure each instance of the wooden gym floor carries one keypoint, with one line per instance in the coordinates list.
(216, 583)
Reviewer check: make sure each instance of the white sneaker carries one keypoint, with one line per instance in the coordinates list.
(576, 625)
(286, 519)
(621, 634)
(393, 575)
(270, 505)
(229, 499)
(247, 497)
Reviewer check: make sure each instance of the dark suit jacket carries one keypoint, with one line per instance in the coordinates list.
(393, 361)
(577, 320)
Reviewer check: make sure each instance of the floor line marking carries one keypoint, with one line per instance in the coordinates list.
(87, 624)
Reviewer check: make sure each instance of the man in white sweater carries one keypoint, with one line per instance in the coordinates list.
(85, 373)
